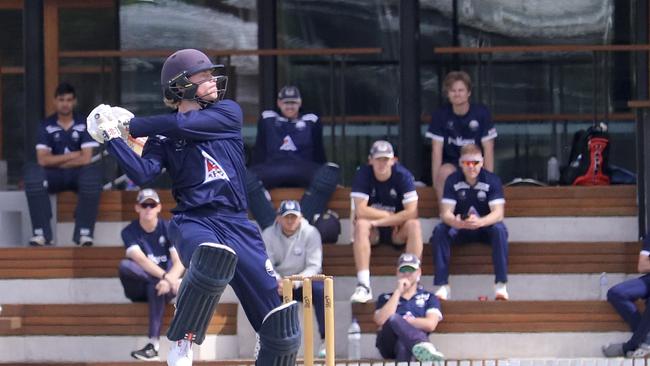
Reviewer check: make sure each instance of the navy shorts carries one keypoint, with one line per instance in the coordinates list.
(254, 281)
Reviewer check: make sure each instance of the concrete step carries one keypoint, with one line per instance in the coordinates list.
(615, 228)
(46, 349)
(464, 287)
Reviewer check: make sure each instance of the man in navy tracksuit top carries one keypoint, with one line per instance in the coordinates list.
(471, 210)
(202, 149)
(151, 273)
(64, 151)
(623, 297)
(289, 152)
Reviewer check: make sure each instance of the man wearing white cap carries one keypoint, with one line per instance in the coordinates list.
(385, 211)
(152, 269)
(407, 315)
(295, 248)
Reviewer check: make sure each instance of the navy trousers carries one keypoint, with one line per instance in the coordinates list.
(139, 286)
(444, 235)
(397, 337)
(39, 182)
(622, 298)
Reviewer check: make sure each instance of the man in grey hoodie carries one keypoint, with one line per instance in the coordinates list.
(295, 248)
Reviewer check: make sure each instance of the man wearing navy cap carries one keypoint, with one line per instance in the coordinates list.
(294, 248)
(289, 152)
(407, 316)
(385, 211)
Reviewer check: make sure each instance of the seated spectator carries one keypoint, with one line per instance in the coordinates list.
(289, 152)
(385, 211)
(407, 316)
(294, 248)
(471, 210)
(457, 124)
(63, 151)
(153, 269)
(623, 297)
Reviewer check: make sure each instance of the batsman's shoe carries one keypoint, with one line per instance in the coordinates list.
(180, 353)
(641, 352)
(362, 294)
(443, 293)
(613, 350)
(500, 291)
(426, 351)
(321, 351)
(38, 241)
(148, 353)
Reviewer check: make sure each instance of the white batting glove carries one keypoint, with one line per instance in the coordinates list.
(110, 129)
(123, 117)
(98, 116)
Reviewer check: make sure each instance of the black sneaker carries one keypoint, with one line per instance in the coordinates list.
(148, 353)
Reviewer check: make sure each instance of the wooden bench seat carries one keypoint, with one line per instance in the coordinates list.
(515, 316)
(338, 260)
(99, 319)
(619, 200)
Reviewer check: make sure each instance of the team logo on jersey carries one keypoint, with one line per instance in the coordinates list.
(75, 135)
(287, 144)
(373, 193)
(450, 124)
(481, 195)
(213, 171)
(162, 241)
(297, 250)
(57, 136)
(473, 125)
(419, 302)
(269, 268)
(462, 194)
(300, 125)
(393, 193)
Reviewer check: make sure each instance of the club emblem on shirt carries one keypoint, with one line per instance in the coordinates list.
(213, 170)
(287, 144)
(481, 196)
(300, 125)
(473, 125)
(75, 135)
(450, 124)
(162, 241)
(57, 136)
(419, 302)
(462, 194)
(393, 193)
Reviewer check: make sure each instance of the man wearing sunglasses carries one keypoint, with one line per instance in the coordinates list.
(385, 211)
(471, 210)
(289, 152)
(152, 269)
(407, 315)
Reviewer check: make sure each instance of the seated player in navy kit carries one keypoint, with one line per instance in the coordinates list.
(623, 298)
(63, 151)
(289, 152)
(471, 210)
(385, 211)
(457, 124)
(407, 315)
(201, 147)
(152, 269)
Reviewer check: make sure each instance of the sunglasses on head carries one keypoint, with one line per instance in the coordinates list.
(146, 205)
(406, 269)
(471, 163)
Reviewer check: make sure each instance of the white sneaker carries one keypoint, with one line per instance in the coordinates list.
(361, 294)
(38, 241)
(85, 241)
(500, 291)
(180, 353)
(443, 293)
(426, 351)
(321, 351)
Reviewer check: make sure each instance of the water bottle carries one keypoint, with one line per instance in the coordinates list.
(552, 171)
(354, 340)
(603, 286)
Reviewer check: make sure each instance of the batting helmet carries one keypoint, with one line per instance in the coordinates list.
(177, 70)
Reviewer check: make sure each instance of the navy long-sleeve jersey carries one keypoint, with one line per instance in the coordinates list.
(202, 151)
